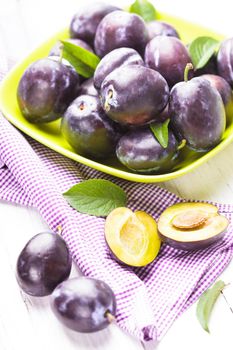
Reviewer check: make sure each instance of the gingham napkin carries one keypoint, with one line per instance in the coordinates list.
(150, 298)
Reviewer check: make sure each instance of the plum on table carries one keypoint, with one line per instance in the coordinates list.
(156, 28)
(46, 89)
(134, 95)
(139, 151)
(191, 226)
(84, 23)
(121, 29)
(169, 56)
(132, 237)
(84, 304)
(43, 263)
(117, 58)
(88, 130)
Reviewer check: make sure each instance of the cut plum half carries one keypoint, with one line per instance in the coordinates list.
(132, 237)
(191, 226)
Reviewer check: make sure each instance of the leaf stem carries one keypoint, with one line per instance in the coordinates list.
(188, 67)
(111, 318)
(227, 302)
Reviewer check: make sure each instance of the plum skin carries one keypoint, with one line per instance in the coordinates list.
(87, 88)
(197, 114)
(120, 29)
(115, 59)
(168, 56)
(43, 263)
(88, 130)
(224, 90)
(46, 89)
(84, 24)
(139, 151)
(134, 95)
(156, 28)
(81, 304)
(225, 60)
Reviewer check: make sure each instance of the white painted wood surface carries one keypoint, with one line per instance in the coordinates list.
(27, 323)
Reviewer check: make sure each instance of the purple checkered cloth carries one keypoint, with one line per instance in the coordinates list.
(149, 299)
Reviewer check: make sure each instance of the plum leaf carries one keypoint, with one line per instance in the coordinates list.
(160, 131)
(207, 302)
(202, 49)
(96, 197)
(144, 9)
(84, 61)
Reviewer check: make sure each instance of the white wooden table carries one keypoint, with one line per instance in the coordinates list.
(27, 323)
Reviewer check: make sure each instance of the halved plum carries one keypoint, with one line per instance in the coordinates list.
(132, 237)
(191, 226)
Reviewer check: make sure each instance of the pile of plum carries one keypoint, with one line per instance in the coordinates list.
(144, 77)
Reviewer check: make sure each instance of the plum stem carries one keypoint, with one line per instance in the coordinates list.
(110, 317)
(59, 229)
(61, 52)
(182, 144)
(106, 104)
(188, 67)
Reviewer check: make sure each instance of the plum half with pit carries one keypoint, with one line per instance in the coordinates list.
(191, 225)
(46, 89)
(117, 58)
(85, 22)
(156, 28)
(139, 151)
(56, 49)
(132, 237)
(225, 91)
(134, 95)
(121, 29)
(225, 60)
(168, 56)
(84, 304)
(43, 263)
(197, 114)
(88, 130)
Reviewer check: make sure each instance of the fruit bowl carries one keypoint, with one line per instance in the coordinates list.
(49, 134)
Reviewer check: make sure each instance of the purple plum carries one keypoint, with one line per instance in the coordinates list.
(225, 61)
(156, 28)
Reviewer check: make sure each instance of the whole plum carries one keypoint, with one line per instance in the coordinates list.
(85, 22)
(46, 89)
(56, 49)
(225, 91)
(115, 59)
(168, 56)
(225, 60)
(156, 28)
(121, 29)
(134, 95)
(87, 129)
(43, 263)
(84, 304)
(139, 150)
(197, 114)
(87, 88)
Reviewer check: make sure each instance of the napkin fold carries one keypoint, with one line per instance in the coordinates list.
(149, 299)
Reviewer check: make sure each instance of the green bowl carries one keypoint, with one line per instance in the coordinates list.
(50, 136)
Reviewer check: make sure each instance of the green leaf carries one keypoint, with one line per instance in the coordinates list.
(84, 61)
(207, 302)
(96, 197)
(160, 131)
(202, 49)
(144, 9)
